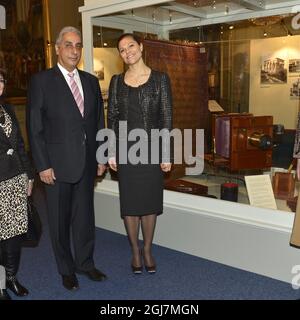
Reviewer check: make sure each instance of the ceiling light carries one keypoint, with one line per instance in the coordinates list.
(265, 33)
(105, 44)
(231, 27)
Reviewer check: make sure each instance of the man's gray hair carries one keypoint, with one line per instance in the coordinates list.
(66, 30)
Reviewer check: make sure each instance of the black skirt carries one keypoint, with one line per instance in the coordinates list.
(141, 189)
(140, 185)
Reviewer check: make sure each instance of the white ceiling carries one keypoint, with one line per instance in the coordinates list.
(118, 14)
(186, 13)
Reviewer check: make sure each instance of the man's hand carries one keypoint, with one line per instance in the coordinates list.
(101, 169)
(165, 167)
(47, 176)
(113, 163)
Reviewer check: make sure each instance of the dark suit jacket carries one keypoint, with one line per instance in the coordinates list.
(18, 162)
(60, 137)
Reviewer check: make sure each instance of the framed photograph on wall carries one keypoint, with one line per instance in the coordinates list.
(99, 70)
(273, 70)
(294, 66)
(295, 89)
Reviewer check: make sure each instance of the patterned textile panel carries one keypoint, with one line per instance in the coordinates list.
(187, 69)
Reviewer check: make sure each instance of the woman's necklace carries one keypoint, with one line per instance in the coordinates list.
(138, 79)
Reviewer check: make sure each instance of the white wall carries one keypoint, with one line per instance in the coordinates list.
(112, 64)
(273, 99)
(111, 61)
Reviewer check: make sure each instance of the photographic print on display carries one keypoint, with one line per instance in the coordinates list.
(99, 72)
(294, 65)
(295, 89)
(273, 70)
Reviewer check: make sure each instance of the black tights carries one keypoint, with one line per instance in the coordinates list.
(132, 225)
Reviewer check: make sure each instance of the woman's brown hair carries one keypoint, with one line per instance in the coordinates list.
(131, 35)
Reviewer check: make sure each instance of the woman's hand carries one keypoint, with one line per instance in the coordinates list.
(30, 187)
(166, 167)
(113, 163)
(101, 169)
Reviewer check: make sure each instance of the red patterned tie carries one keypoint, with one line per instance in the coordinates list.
(76, 93)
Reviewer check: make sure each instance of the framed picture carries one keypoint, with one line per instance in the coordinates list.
(295, 89)
(99, 72)
(21, 45)
(294, 65)
(273, 70)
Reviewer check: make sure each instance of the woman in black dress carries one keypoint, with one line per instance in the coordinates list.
(143, 98)
(16, 180)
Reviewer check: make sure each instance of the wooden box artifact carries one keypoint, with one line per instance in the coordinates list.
(283, 185)
(244, 140)
(186, 187)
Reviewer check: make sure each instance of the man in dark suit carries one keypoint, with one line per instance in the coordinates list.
(65, 111)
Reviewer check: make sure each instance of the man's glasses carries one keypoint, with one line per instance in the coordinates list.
(3, 81)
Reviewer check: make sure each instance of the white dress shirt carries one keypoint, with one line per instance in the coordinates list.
(76, 78)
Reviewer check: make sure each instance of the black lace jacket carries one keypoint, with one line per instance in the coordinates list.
(155, 98)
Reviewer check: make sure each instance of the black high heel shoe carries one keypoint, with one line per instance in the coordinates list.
(14, 285)
(149, 269)
(137, 269)
(4, 295)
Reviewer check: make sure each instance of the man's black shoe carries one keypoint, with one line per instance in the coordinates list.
(70, 282)
(93, 274)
